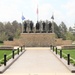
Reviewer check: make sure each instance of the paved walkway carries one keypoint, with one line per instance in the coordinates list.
(36, 61)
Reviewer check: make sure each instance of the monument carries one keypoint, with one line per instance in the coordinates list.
(44, 25)
(33, 36)
(25, 27)
(38, 37)
(31, 27)
(50, 27)
(37, 27)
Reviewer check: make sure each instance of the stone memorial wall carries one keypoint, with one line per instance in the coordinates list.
(38, 39)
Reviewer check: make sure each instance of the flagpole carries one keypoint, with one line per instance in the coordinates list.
(52, 23)
(37, 17)
(37, 13)
(22, 22)
(22, 26)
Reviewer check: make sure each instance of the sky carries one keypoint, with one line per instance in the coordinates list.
(63, 10)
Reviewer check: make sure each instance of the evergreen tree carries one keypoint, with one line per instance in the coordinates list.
(63, 30)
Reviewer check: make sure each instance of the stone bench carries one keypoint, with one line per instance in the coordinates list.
(68, 47)
(6, 47)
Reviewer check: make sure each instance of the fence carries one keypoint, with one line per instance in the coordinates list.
(63, 55)
(11, 55)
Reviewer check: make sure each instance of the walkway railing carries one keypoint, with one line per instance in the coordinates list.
(63, 55)
(11, 55)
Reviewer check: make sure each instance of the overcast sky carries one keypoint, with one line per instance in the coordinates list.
(63, 10)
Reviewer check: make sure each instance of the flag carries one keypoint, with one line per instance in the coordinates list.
(52, 17)
(23, 17)
(37, 10)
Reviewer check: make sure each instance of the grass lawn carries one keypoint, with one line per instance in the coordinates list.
(2, 52)
(8, 53)
(71, 52)
(65, 52)
(72, 55)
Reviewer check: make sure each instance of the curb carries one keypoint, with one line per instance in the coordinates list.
(69, 67)
(13, 60)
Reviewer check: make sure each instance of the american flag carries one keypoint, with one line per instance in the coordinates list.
(37, 9)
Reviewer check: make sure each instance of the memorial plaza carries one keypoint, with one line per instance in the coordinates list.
(38, 58)
(37, 61)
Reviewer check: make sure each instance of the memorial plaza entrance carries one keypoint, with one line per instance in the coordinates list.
(37, 61)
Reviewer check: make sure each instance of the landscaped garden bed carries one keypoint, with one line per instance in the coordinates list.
(72, 55)
(8, 53)
(65, 52)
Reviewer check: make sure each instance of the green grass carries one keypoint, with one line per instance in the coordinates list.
(2, 52)
(8, 53)
(71, 52)
(72, 55)
(65, 52)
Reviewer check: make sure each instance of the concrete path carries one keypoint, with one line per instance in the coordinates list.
(36, 61)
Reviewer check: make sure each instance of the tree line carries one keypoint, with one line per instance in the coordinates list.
(11, 30)
(63, 32)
